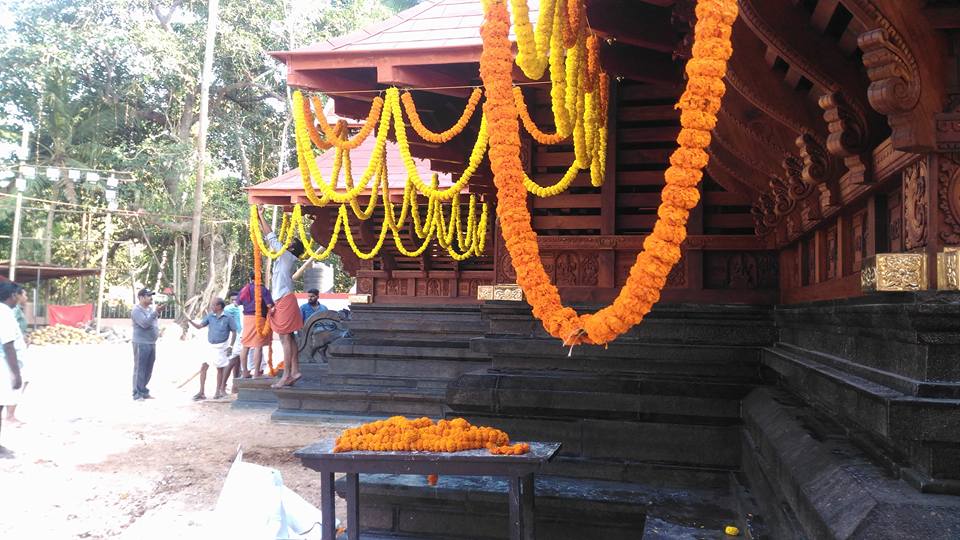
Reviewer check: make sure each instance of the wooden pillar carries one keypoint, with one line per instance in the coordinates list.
(608, 193)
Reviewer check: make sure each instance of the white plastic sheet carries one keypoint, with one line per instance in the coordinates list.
(255, 505)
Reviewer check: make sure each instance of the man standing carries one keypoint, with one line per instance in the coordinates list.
(252, 338)
(221, 332)
(233, 310)
(13, 345)
(285, 316)
(21, 319)
(146, 329)
(312, 306)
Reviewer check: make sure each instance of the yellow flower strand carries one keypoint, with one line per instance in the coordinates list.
(444, 136)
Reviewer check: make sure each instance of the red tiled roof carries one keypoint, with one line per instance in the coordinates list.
(429, 25)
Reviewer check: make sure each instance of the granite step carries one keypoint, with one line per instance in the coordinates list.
(813, 481)
(475, 508)
(365, 399)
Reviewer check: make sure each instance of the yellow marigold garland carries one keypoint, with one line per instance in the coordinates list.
(698, 104)
(444, 136)
(531, 126)
(334, 137)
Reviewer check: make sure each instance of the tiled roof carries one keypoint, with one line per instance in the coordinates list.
(290, 183)
(430, 24)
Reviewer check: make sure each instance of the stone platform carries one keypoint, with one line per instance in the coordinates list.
(825, 420)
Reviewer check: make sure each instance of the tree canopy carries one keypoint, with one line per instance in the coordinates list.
(115, 85)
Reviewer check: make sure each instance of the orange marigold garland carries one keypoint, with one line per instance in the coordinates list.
(399, 434)
(699, 105)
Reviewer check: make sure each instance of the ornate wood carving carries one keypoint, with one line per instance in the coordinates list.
(895, 80)
(895, 222)
(860, 237)
(576, 269)
(678, 274)
(365, 285)
(832, 243)
(505, 271)
(798, 188)
(948, 193)
(740, 270)
(396, 287)
(782, 202)
(437, 287)
(915, 204)
(848, 135)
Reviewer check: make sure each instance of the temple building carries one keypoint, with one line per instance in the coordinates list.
(800, 375)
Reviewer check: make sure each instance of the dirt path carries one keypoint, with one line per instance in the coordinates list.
(92, 463)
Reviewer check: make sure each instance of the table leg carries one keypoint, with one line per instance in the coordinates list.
(353, 506)
(327, 506)
(522, 526)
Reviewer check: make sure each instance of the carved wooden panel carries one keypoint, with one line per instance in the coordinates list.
(894, 222)
(831, 245)
(573, 269)
(468, 288)
(948, 195)
(859, 234)
(915, 205)
(433, 287)
(365, 285)
(740, 270)
(678, 274)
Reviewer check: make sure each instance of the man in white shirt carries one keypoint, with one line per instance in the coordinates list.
(285, 316)
(11, 339)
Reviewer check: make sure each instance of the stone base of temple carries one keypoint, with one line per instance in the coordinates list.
(825, 420)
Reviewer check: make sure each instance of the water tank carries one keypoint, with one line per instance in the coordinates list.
(318, 276)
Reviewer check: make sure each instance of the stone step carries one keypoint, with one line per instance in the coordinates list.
(704, 360)
(476, 507)
(401, 366)
(314, 397)
(405, 349)
(803, 467)
(905, 385)
(620, 443)
(562, 394)
(881, 410)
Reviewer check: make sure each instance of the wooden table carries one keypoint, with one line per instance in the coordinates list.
(519, 469)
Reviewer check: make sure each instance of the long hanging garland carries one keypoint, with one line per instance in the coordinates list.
(699, 105)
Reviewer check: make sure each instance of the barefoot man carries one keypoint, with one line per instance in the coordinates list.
(252, 337)
(13, 345)
(221, 333)
(285, 316)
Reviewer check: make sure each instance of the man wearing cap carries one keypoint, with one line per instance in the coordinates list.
(146, 328)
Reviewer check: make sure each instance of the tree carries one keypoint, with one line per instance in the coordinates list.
(114, 84)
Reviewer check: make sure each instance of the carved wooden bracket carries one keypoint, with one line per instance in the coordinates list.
(798, 187)
(848, 135)
(895, 82)
(780, 191)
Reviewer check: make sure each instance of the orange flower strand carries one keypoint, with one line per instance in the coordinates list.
(331, 133)
(430, 136)
(400, 434)
(531, 126)
(699, 103)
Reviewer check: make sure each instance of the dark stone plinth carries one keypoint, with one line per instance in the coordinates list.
(887, 368)
(807, 469)
(396, 360)
(475, 507)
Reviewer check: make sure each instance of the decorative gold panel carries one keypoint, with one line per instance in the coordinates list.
(360, 299)
(948, 269)
(894, 272)
(485, 292)
(511, 292)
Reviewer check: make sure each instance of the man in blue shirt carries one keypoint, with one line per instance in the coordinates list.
(312, 306)
(221, 333)
(233, 310)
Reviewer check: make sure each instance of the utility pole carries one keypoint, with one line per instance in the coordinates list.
(206, 77)
(21, 185)
(107, 230)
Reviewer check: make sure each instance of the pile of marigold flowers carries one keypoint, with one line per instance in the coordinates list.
(399, 434)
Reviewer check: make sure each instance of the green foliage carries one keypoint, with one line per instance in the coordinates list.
(114, 84)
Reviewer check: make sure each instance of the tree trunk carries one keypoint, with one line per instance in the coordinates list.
(205, 79)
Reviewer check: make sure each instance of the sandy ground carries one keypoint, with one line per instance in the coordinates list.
(89, 462)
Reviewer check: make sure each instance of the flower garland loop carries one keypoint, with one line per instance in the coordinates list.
(699, 105)
(444, 136)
